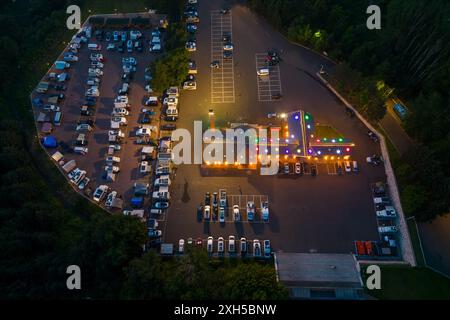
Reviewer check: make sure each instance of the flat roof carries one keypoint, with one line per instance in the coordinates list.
(318, 270)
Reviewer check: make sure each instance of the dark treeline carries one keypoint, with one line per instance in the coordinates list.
(45, 226)
(410, 54)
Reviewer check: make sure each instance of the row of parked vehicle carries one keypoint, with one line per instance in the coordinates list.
(245, 247)
(387, 229)
(216, 208)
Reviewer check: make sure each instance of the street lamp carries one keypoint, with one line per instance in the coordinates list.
(211, 119)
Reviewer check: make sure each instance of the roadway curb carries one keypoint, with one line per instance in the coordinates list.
(405, 243)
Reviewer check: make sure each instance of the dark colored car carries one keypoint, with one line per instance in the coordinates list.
(200, 213)
(88, 121)
(226, 37)
(144, 118)
(168, 126)
(314, 170)
(207, 199)
(60, 87)
(108, 36)
(227, 54)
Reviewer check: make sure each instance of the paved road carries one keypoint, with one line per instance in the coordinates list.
(324, 214)
(391, 126)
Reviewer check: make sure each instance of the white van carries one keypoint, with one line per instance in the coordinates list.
(263, 72)
(94, 47)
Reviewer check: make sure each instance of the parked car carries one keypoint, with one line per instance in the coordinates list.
(210, 245)
(256, 248)
(231, 244)
(267, 250)
(236, 213)
(181, 246)
(347, 166)
(220, 245)
(110, 198)
(161, 205)
(207, 212)
(243, 246)
(250, 210)
(100, 193)
(222, 214)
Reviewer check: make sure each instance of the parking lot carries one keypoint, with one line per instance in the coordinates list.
(222, 78)
(269, 87)
(126, 159)
(322, 212)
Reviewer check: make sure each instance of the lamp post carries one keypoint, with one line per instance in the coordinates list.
(211, 119)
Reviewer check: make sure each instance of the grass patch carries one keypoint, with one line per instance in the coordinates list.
(328, 132)
(399, 282)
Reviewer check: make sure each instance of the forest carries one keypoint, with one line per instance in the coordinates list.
(409, 54)
(45, 226)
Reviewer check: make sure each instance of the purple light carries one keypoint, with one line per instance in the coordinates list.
(309, 151)
(296, 117)
(287, 151)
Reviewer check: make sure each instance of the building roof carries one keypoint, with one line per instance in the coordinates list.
(315, 270)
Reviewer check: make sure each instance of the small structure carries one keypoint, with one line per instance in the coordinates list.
(320, 276)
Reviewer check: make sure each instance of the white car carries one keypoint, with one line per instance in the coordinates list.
(111, 46)
(92, 92)
(207, 212)
(243, 246)
(191, 46)
(121, 120)
(181, 246)
(145, 131)
(144, 167)
(387, 229)
(228, 47)
(135, 34)
(210, 245)
(263, 72)
(120, 112)
(231, 244)
(164, 195)
(97, 64)
(110, 198)
(123, 99)
(387, 212)
(236, 214)
(52, 107)
(298, 168)
(256, 248)
(96, 57)
(190, 85)
(171, 101)
(96, 71)
(162, 181)
(100, 193)
(83, 127)
(347, 166)
(220, 245)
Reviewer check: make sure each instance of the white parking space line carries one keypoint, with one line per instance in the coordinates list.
(222, 79)
(269, 85)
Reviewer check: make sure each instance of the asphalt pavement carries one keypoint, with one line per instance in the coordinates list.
(307, 214)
